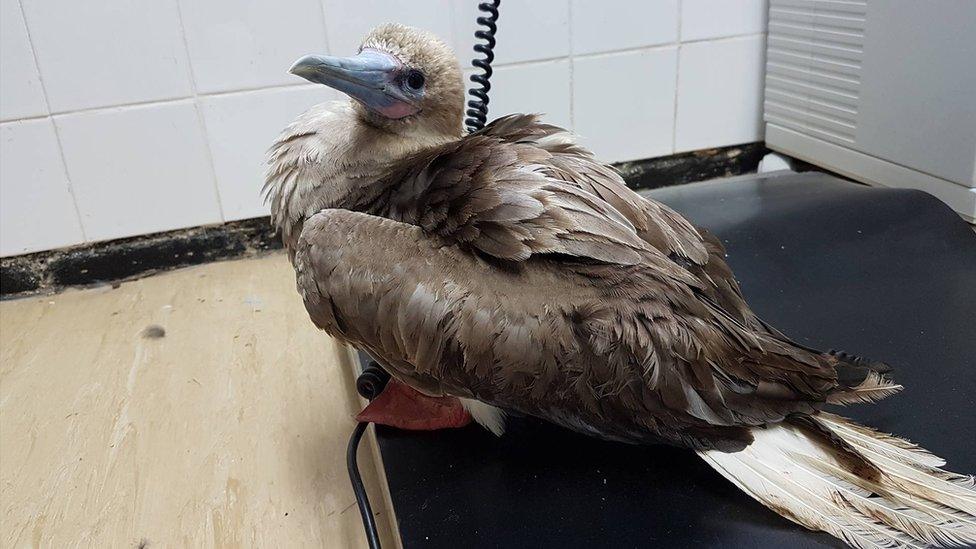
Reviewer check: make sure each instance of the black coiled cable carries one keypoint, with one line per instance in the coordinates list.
(478, 107)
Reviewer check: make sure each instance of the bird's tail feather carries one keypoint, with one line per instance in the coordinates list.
(903, 500)
(875, 386)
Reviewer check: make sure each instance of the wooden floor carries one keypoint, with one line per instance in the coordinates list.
(228, 431)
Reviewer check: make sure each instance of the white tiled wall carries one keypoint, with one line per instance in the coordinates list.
(631, 121)
(125, 117)
(718, 86)
(240, 127)
(139, 170)
(597, 27)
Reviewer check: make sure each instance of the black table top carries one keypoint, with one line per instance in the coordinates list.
(884, 273)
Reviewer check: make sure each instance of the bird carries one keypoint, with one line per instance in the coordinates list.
(507, 270)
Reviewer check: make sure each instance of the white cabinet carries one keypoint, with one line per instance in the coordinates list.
(883, 91)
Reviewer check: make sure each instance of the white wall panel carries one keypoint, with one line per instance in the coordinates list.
(164, 108)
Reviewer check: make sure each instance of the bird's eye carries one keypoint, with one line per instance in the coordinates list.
(415, 79)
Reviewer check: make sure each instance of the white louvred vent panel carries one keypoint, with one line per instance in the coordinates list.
(813, 66)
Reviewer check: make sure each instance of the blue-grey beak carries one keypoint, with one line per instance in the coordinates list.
(373, 78)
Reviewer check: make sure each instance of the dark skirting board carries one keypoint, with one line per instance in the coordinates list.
(888, 274)
(138, 256)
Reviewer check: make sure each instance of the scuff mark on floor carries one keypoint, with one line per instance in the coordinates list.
(153, 331)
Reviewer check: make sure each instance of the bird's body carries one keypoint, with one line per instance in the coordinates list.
(509, 267)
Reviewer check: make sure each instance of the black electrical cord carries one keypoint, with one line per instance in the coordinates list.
(478, 107)
(369, 523)
(371, 382)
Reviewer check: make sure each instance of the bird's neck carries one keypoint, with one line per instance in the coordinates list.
(327, 158)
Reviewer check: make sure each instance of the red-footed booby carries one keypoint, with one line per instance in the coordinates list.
(511, 270)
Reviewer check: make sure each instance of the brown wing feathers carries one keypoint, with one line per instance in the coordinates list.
(695, 249)
(483, 194)
(607, 322)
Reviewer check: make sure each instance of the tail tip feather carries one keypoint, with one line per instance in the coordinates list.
(875, 386)
(912, 503)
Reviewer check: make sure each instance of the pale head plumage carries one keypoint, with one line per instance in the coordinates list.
(332, 149)
(442, 105)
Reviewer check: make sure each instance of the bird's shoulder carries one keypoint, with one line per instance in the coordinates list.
(569, 161)
(693, 248)
(498, 192)
(518, 165)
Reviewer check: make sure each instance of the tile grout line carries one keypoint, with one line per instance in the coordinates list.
(677, 82)
(572, 68)
(199, 113)
(729, 38)
(54, 126)
(25, 118)
(261, 89)
(155, 102)
(325, 28)
(633, 49)
(455, 39)
(134, 104)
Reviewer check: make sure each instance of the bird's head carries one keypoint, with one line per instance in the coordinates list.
(403, 79)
